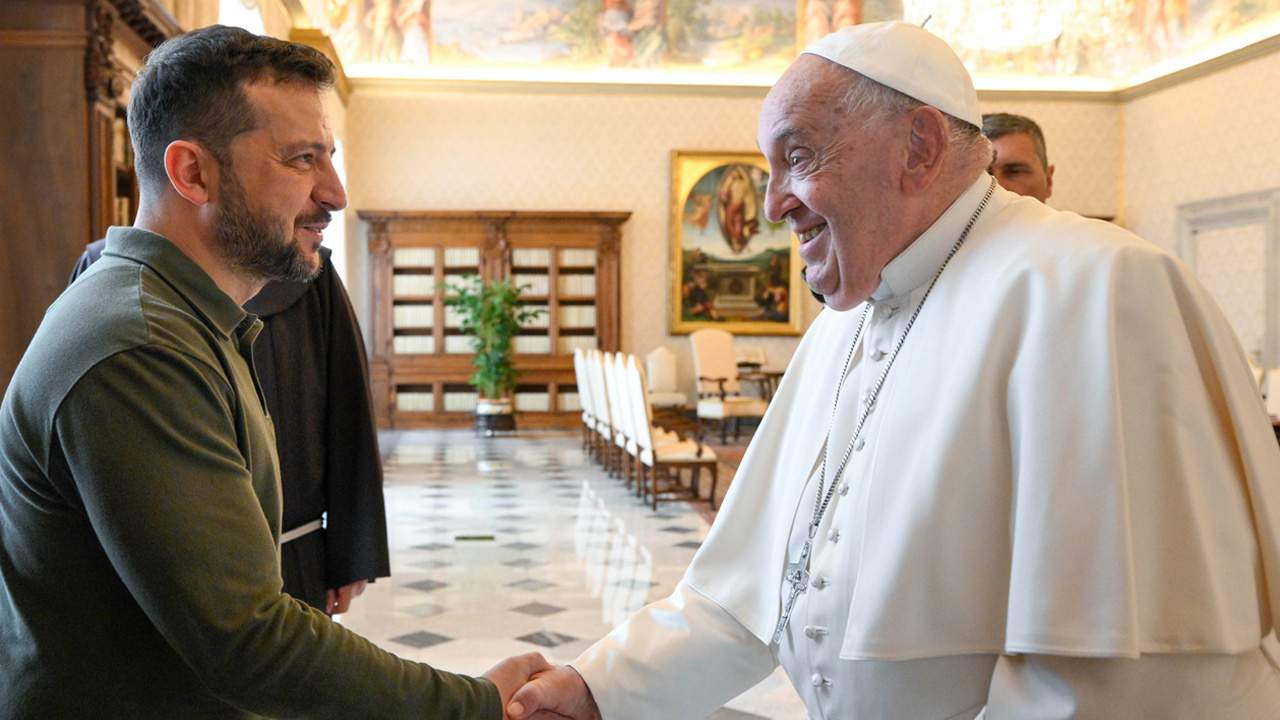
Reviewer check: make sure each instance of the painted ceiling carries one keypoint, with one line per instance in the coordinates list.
(1016, 44)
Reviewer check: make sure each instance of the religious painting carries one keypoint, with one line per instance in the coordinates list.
(376, 32)
(819, 18)
(517, 32)
(757, 35)
(730, 267)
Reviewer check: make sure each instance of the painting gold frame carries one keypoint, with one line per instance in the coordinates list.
(730, 267)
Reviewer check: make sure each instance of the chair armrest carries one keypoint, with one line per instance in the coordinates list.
(720, 380)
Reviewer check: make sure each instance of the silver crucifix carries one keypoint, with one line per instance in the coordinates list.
(798, 576)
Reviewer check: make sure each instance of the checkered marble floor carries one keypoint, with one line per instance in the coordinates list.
(506, 545)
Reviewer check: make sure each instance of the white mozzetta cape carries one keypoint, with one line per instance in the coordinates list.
(1071, 459)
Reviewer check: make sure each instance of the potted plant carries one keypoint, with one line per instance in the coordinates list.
(492, 314)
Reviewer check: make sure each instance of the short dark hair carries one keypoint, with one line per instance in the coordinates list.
(192, 88)
(997, 125)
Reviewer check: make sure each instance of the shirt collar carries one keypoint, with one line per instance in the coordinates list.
(163, 257)
(916, 265)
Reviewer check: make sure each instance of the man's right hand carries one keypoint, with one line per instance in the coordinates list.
(560, 692)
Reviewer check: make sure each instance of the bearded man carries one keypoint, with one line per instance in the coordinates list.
(1016, 469)
(140, 505)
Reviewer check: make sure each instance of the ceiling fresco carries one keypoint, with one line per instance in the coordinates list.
(1080, 44)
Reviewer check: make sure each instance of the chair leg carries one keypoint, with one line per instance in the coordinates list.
(737, 428)
(695, 480)
(724, 425)
(715, 473)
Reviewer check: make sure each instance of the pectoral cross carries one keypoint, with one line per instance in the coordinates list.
(798, 576)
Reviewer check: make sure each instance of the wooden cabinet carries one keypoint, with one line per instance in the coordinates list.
(65, 71)
(421, 361)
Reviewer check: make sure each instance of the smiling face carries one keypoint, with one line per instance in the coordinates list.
(831, 179)
(1018, 168)
(275, 199)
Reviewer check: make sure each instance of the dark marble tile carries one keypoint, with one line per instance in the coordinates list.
(424, 639)
(547, 639)
(430, 564)
(530, 585)
(538, 609)
(524, 563)
(427, 585)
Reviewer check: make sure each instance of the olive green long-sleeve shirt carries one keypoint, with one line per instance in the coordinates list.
(140, 520)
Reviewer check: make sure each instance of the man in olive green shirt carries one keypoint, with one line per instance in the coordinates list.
(139, 486)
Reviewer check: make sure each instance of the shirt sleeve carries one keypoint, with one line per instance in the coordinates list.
(149, 441)
(682, 657)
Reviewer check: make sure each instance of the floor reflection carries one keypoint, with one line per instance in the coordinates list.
(506, 545)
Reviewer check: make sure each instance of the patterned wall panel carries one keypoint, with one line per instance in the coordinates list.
(1211, 137)
(1231, 262)
(1083, 140)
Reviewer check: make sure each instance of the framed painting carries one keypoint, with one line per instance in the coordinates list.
(730, 267)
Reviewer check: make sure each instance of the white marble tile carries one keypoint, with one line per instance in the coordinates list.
(566, 538)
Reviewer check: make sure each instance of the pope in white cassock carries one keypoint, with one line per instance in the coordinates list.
(1017, 468)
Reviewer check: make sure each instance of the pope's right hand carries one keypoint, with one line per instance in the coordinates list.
(560, 692)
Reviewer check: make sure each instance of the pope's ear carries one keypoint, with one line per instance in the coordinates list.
(192, 171)
(926, 148)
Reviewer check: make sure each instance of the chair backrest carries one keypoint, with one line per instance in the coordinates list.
(616, 367)
(1259, 374)
(599, 395)
(713, 358)
(660, 366)
(584, 383)
(1273, 392)
(640, 411)
(611, 389)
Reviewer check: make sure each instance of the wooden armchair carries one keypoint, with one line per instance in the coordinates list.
(719, 390)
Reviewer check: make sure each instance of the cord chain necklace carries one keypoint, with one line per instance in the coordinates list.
(797, 574)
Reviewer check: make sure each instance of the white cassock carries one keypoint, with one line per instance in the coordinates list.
(1065, 502)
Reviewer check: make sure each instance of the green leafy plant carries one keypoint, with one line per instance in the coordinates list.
(492, 315)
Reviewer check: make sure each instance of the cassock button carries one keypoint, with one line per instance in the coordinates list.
(844, 488)
(886, 311)
(859, 445)
(818, 680)
(814, 631)
(876, 355)
(818, 582)
(833, 535)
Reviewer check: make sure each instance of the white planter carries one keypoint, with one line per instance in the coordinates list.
(501, 406)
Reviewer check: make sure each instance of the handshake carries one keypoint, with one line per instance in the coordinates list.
(534, 689)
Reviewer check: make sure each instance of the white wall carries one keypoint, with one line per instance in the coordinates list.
(1211, 137)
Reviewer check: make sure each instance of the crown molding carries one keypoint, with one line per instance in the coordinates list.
(320, 41)
(1222, 62)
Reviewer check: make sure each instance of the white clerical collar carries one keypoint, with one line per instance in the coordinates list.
(916, 265)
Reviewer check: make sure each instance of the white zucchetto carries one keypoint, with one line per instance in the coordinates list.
(908, 59)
